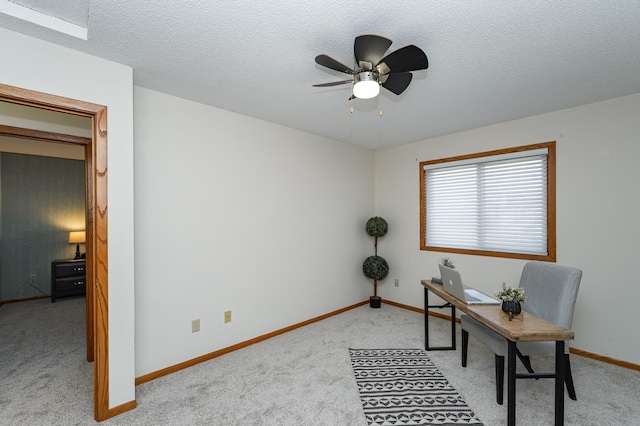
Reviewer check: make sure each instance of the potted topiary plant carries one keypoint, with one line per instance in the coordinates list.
(375, 267)
(511, 299)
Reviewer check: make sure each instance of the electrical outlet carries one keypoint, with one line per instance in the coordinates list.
(32, 277)
(396, 282)
(195, 325)
(227, 316)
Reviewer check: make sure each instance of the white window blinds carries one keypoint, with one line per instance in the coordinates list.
(494, 203)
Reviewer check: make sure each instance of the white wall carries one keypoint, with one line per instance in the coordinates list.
(234, 213)
(36, 65)
(45, 120)
(598, 206)
(46, 149)
(40, 119)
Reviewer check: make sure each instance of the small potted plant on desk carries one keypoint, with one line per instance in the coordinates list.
(445, 261)
(511, 299)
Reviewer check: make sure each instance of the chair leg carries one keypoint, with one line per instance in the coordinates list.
(465, 345)
(568, 378)
(499, 378)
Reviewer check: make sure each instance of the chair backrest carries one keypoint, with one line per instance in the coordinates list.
(551, 291)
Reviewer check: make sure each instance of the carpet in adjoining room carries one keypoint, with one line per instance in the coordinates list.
(403, 387)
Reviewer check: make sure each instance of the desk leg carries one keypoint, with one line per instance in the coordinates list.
(560, 373)
(426, 319)
(453, 327)
(511, 383)
(426, 324)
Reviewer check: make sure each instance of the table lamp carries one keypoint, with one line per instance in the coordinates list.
(77, 237)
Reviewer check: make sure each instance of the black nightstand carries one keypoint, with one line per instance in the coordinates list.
(68, 278)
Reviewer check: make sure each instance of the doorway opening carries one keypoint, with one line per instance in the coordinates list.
(95, 156)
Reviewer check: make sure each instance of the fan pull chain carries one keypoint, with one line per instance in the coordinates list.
(380, 113)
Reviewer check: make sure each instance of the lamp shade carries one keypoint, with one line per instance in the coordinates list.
(77, 237)
(366, 85)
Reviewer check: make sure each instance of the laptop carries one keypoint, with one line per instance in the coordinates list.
(452, 284)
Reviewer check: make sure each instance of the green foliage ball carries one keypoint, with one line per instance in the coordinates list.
(375, 268)
(377, 227)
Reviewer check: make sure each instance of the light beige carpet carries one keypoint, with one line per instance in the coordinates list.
(303, 377)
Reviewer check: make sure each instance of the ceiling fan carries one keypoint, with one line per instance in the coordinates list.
(372, 69)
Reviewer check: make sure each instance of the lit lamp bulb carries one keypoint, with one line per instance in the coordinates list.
(366, 85)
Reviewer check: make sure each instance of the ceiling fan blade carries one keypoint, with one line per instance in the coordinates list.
(408, 58)
(333, 83)
(370, 48)
(397, 83)
(329, 62)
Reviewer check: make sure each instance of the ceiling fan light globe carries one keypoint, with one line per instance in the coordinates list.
(366, 85)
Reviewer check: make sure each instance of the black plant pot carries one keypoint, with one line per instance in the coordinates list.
(511, 307)
(375, 301)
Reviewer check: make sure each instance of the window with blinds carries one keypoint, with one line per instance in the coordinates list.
(500, 203)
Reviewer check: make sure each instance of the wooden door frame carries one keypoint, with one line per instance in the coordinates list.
(96, 215)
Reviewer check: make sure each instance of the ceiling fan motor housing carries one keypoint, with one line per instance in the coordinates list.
(366, 76)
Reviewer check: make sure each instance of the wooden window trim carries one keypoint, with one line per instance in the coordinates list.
(551, 204)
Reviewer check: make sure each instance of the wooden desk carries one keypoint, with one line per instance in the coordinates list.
(529, 329)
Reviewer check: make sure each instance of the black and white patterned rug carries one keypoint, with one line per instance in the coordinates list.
(403, 387)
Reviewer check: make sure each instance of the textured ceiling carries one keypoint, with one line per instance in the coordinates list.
(489, 61)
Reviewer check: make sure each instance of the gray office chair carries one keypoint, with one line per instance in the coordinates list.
(551, 291)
